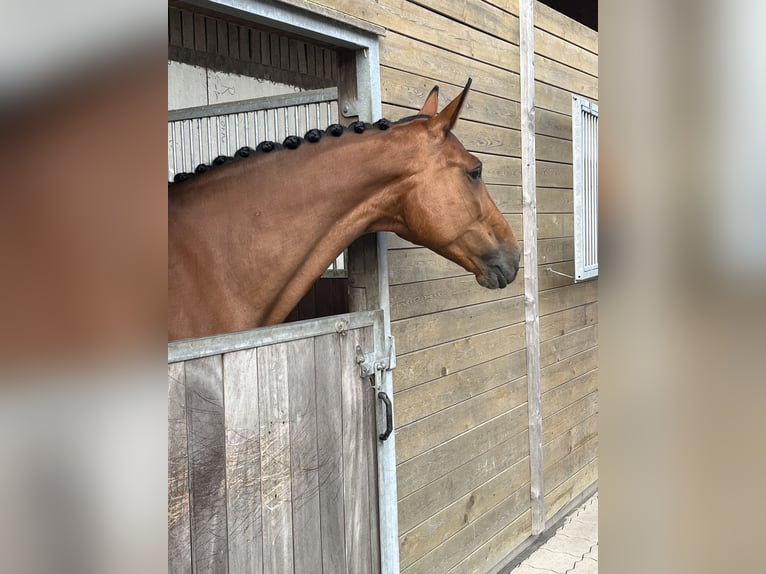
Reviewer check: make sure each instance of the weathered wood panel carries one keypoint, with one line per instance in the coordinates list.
(243, 462)
(568, 490)
(476, 532)
(496, 548)
(457, 387)
(179, 516)
(567, 345)
(568, 393)
(276, 487)
(462, 512)
(425, 297)
(207, 464)
(558, 373)
(563, 322)
(565, 419)
(420, 264)
(402, 53)
(407, 90)
(427, 501)
(330, 452)
(437, 462)
(441, 360)
(278, 444)
(560, 471)
(429, 330)
(304, 456)
(356, 495)
(575, 437)
(440, 427)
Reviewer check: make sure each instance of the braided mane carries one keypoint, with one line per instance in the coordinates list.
(290, 143)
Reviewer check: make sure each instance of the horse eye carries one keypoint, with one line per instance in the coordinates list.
(475, 174)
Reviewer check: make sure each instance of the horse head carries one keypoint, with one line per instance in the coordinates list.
(446, 206)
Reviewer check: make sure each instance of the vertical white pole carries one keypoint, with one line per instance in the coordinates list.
(368, 82)
(529, 202)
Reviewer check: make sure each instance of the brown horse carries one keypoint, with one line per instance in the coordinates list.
(248, 239)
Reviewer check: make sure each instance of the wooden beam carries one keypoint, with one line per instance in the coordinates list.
(529, 214)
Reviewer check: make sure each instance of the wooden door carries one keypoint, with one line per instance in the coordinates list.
(272, 455)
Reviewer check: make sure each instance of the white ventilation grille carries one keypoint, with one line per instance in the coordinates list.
(198, 135)
(585, 172)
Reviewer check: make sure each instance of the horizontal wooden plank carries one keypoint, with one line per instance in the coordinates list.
(568, 345)
(568, 418)
(421, 264)
(565, 468)
(428, 330)
(553, 149)
(442, 492)
(570, 489)
(555, 250)
(569, 393)
(494, 20)
(403, 53)
(563, 276)
(572, 55)
(489, 138)
(417, 542)
(554, 124)
(554, 200)
(496, 548)
(447, 391)
(565, 443)
(475, 137)
(556, 74)
(550, 174)
(568, 320)
(409, 91)
(554, 225)
(432, 430)
(414, 299)
(550, 20)
(439, 461)
(424, 297)
(507, 171)
(508, 200)
(426, 365)
(434, 28)
(560, 372)
(410, 265)
(451, 552)
(553, 300)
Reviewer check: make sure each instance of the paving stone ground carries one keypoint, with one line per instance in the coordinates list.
(573, 549)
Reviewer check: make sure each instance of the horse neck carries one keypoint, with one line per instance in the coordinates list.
(351, 182)
(288, 214)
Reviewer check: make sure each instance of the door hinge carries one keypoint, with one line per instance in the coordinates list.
(370, 363)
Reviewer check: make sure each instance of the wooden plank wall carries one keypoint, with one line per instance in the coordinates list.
(462, 444)
(269, 454)
(566, 63)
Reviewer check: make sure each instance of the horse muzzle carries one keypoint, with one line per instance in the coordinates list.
(498, 269)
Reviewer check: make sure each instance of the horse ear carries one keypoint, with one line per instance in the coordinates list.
(431, 104)
(444, 120)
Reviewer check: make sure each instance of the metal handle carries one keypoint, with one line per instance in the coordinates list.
(389, 416)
